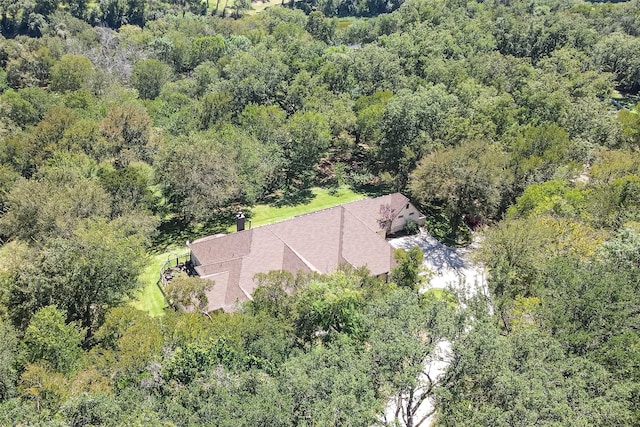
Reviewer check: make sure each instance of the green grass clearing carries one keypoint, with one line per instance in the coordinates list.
(259, 6)
(318, 199)
(150, 298)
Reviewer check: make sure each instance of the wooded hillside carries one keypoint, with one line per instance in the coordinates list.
(129, 126)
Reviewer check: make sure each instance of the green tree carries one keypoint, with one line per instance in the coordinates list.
(189, 292)
(84, 274)
(45, 7)
(91, 409)
(206, 48)
(630, 120)
(115, 13)
(47, 389)
(552, 197)
(127, 342)
(468, 181)
(8, 360)
(30, 67)
(39, 209)
(127, 128)
(542, 153)
(198, 177)
(328, 307)
(149, 76)
(331, 385)
(25, 107)
(8, 178)
(71, 72)
(256, 76)
(399, 359)
(77, 8)
(618, 53)
(320, 27)
(50, 340)
(410, 123)
(309, 140)
(407, 272)
(129, 188)
(239, 6)
(271, 296)
(517, 253)
(526, 378)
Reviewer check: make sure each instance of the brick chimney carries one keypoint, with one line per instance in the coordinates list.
(240, 220)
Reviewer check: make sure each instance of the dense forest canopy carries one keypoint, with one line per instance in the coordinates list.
(124, 120)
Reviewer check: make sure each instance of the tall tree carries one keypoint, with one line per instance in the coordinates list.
(97, 267)
(71, 72)
(469, 181)
(309, 140)
(198, 177)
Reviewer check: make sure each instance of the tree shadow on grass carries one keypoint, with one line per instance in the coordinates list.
(292, 197)
(175, 231)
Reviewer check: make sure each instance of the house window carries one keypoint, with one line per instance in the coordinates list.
(407, 206)
(411, 213)
(400, 216)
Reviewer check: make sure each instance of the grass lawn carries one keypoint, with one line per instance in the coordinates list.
(259, 6)
(151, 299)
(318, 199)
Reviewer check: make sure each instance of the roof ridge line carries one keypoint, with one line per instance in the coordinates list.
(303, 259)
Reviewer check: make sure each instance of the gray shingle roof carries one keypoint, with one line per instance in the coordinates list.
(317, 241)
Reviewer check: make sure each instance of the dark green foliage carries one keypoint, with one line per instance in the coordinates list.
(94, 268)
(331, 386)
(411, 227)
(91, 409)
(115, 13)
(471, 106)
(527, 378)
(197, 179)
(129, 189)
(469, 181)
(149, 76)
(8, 360)
(186, 363)
(328, 308)
(308, 141)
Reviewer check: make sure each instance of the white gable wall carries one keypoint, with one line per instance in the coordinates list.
(408, 212)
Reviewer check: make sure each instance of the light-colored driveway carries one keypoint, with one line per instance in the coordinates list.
(454, 269)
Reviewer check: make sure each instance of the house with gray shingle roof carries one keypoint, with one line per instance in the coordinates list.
(352, 233)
